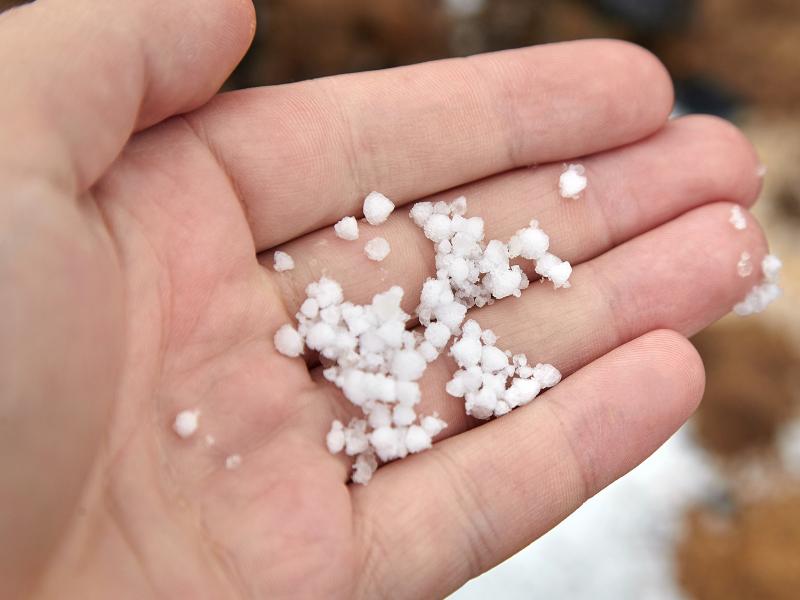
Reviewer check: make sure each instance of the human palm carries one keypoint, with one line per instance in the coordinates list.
(148, 290)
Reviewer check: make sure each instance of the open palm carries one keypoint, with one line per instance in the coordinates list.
(136, 273)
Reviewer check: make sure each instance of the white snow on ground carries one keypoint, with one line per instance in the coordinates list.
(617, 546)
(789, 447)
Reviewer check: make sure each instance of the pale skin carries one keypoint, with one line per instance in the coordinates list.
(139, 212)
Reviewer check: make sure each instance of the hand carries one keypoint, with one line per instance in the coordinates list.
(139, 214)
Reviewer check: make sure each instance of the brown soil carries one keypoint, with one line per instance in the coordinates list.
(752, 383)
(753, 555)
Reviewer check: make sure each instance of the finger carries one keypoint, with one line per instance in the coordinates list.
(305, 155)
(493, 490)
(631, 190)
(80, 75)
(680, 276)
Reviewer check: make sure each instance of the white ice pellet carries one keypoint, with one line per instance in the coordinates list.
(471, 329)
(377, 208)
(737, 218)
(364, 467)
(771, 266)
(417, 439)
(309, 308)
(762, 295)
(403, 415)
(288, 341)
(326, 292)
(546, 375)
(347, 229)
(387, 442)
(466, 352)
(335, 438)
(420, 212)
(232, 462)
(380, 416)
(572, 181)
(481, 404)
(433, 425)
(186, 423)
(408, 365)
(529, 242)
(437, 227)
(745, 266)
(437, 334)
(282, 261)
(320, 335)
(493, 359)
(377, 249)
(553, 268)
(522, 392)
(355, 437)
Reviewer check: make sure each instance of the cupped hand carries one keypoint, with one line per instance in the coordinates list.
(139, 213)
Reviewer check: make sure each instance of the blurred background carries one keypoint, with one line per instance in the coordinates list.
(715, 513)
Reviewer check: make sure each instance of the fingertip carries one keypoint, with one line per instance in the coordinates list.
(678, 362)
(218, 33)
(728, 153)
(644, 69)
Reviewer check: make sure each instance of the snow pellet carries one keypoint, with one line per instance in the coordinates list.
(762, 295)
(288, 341)
(186, 423)
(771, 266)
(572, 181)
(737, 218)
(282, 261)
(335, 438)
(347, 229)
(377, 208)
(377, 249)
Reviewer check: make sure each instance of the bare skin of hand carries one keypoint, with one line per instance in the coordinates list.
(138, 216)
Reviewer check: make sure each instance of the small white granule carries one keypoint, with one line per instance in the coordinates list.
(234, 461)
(421, 212)
(745, 266)
(283, 262)
(433, 425)
(529, 242)
(771, 266)
(408, 365)
(335, 438)
(377, 249)
(572, 181)
(737, 218)
(765, 293)
(761, 170)
(210, 440)
(417, 439)
(365, 465)
(186, 423)
(377, 208)
(288, 341)
(347, 229)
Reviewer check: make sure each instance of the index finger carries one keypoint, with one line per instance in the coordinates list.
(304, 155)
